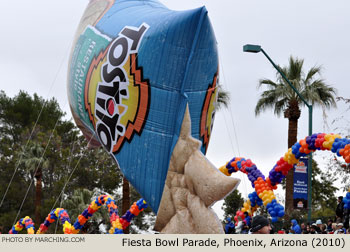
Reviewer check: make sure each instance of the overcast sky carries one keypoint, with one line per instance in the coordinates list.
(36, 37)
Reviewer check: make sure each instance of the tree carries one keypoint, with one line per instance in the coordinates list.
(71, 166)
(335, 164)
(78, 202)
(126, 199)
(33, 159)
(232, 203)
(324, 201)
(280, 97)
(223, 98)
(24, 111)
(25, 137)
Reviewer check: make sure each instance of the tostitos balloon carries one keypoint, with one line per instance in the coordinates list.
(134, 67)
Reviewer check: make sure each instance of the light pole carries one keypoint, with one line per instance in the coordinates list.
(256, 49)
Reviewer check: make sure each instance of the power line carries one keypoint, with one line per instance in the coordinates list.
(31, 134)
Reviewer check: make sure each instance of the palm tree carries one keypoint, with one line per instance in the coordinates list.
(280, 97)
(126, 200)
(34, 161)
(223, 98)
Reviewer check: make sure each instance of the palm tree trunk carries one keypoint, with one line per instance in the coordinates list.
(126, 199)
(292, 139)
(293, 114)
(38, 190)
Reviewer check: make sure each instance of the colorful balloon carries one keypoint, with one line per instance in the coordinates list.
(134, 67)
(118, 224)
(58, 213)
(264, 187)
(26, 223)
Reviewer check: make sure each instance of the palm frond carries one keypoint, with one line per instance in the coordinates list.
(295, 68)
(223, 98)
(269, 83)
(311, 73)
(319, 93)
(267, 100)
(280, 106)
(279, 92)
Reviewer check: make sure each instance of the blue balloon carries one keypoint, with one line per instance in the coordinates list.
(135, 66)
(273, 214)
(281, 213)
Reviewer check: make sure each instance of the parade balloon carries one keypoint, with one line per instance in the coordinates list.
(134, 68)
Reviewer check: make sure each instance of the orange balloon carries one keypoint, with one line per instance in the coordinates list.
(303, 142)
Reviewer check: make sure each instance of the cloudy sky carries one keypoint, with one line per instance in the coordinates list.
(36, 37)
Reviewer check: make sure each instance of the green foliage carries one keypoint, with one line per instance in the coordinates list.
(324, 201)
(223, 98)
(28, 140)
(335, 164)
(279, 93)
(280, 97)
(78, 202)
(232, 203)
(23, 111)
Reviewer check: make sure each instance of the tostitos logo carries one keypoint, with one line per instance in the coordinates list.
(208, 112)
(117, 96)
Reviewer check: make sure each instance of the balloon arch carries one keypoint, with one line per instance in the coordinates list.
(263, 194)
(118, 224)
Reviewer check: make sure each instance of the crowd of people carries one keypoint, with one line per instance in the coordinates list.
(261, 225)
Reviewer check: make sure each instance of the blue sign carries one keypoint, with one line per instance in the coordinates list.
(300, 184)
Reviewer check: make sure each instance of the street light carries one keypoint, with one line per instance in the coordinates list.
(256, 49)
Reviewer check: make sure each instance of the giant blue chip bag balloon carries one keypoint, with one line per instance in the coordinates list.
(134, 67)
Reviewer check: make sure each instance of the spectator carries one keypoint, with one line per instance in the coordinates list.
(313, 229)
(260, 225)
(247, 218)
(295, 227)
(339, 211)
(240, 225)
(340, 229)
(334, 227)
(229, 227)
(272, 231)
(308, 229)
(329, 225)
(323, 229)
(318, 226)
(245, 229)
(346, 217)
